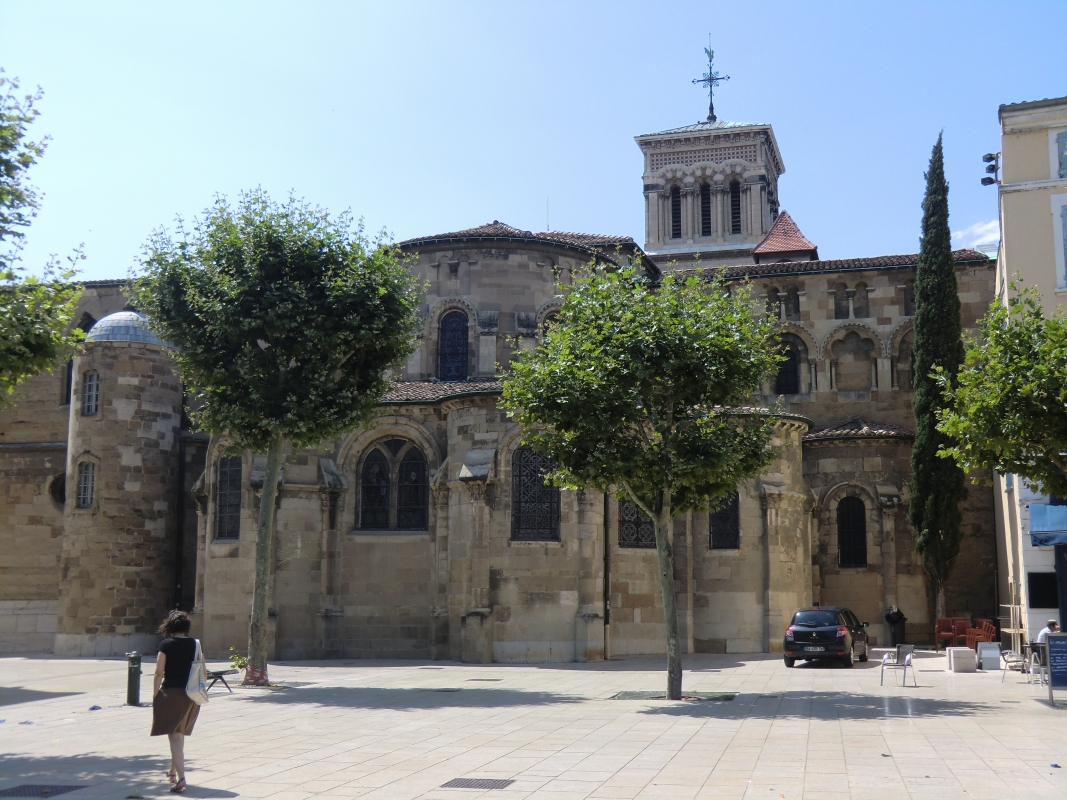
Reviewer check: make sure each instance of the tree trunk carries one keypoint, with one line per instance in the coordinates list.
(256, 672)
(939, 600)
(663, 521)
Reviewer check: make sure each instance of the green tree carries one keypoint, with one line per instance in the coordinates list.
(1008, 409)
(635, 391)
(34, 312)
(937, 484)
(286, 321)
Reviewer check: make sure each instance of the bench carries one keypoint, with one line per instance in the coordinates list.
(220, 675)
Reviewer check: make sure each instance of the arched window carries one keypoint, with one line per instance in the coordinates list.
(534, 503)
(676, 213)
(452, 347)
(792, 303)
(86, 484)
(724, 525)
(852, 532)
(735, 207)
(788, 379)
(841, 301)
(412, 492)
(90, 393)
(549, 320)
(228, 498)
(705, 209)
(394, 488)
(774, 303)
(861, 308)
(635, 528)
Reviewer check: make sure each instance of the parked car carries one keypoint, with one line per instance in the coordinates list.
(827, 632)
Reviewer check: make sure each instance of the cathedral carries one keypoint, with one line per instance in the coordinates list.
(431, 534)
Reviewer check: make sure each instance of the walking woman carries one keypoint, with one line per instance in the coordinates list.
(173, 713)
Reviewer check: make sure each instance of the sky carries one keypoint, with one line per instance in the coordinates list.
(423, 118)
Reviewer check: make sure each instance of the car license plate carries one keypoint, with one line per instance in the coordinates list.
(814, 649)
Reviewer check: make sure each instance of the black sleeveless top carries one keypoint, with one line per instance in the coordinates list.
(180, 654)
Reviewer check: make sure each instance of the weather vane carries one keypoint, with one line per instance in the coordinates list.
(710, 78)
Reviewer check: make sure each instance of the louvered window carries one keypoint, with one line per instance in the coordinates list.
(705, 209)
(852, 532)
(90, 393)
(452, 347)
(725, 525)
(676, 213)
(86, 484)
(535, 505)
(228, 498)
(635, 528)
(735, 207)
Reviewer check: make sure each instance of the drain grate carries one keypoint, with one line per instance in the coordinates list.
(723, 696)
(32, 790)
(477, 783)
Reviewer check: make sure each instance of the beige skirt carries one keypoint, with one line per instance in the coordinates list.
(173, 712)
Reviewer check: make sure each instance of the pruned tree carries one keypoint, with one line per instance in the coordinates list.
(937, 484)
(1008, 408)
(35, 313)
(636, 391)
(286, 320)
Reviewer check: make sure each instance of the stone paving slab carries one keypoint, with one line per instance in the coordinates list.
(402, 729)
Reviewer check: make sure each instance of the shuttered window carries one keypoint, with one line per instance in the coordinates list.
(676, 213)
(705, 209)
(735, 207)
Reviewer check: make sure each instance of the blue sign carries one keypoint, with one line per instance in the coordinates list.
(1057, 660)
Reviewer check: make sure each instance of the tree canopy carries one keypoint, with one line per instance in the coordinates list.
(34, 312)
(937, 485)
(637, 391)
(1008, 409)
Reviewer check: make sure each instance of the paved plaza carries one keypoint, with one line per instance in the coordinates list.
(374, 729)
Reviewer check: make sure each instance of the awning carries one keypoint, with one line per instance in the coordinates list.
(1048, 524)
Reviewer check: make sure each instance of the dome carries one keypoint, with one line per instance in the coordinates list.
(123, 326)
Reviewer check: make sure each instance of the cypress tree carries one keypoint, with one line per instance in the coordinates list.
(937, 484)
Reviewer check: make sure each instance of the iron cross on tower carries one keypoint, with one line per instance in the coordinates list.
(711, 77)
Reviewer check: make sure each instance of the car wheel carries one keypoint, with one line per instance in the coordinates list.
(866, 652)
(789, 661)
(850, 658)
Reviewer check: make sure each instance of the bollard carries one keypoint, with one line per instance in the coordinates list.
(133, 679)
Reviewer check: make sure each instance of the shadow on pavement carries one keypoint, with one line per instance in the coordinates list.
(823, 705)
(13, 695)
(108, 776)
(404, 699)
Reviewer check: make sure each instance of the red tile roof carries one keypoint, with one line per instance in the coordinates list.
(837, 265)
(784, 237)
(436, 391)
(858, 428)
(499, 230)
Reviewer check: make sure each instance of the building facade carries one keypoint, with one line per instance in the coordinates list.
(431, 534)
(1033, 217)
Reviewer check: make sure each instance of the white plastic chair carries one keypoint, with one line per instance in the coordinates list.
(889, 662)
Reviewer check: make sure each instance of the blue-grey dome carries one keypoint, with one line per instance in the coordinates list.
(124, 326)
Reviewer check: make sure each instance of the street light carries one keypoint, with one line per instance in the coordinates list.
(992, 161)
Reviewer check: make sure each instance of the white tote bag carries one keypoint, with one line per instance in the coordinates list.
(196, 686)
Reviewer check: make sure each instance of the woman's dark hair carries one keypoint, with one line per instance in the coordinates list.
(176, 622)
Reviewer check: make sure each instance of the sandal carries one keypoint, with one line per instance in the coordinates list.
(172, 777)
(179, 787)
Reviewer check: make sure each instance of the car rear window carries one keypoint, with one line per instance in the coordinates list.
(815, 619)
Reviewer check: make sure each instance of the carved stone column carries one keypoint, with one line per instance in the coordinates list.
(331, 614)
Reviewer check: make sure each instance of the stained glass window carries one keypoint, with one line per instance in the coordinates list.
(452, 347)
(374, 492)
(534, 504)
(228, 498)
(852, 532)
(725, 525)
(412, 492)
(635, 528)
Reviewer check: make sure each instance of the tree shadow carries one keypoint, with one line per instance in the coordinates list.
(404, 699)
(692, 662)
(107, 776)
(13, 695)
(822, 706)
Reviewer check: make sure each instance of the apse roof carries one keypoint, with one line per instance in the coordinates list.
(858, 428)
(436, 391)
(784, 237)
(701, 127)
(967, 256)
(124, 326)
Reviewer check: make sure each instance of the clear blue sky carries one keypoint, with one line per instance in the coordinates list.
(429, 117)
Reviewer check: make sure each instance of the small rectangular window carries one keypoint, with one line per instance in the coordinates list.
(90, 393)
(86, 484)
(1041, 590)
(228, 498)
